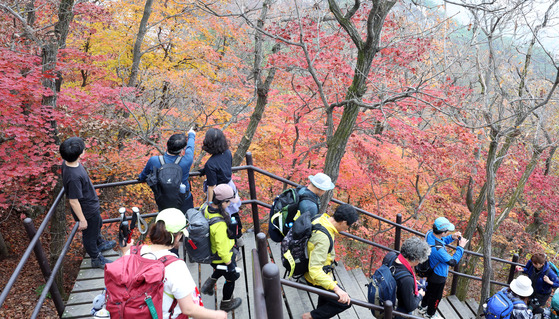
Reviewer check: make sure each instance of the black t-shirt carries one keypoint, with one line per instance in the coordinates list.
(77, 185)
(218, 168)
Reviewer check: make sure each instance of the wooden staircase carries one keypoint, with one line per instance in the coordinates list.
(90, 283)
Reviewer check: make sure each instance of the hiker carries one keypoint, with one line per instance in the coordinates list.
(83, 200)
(309, 202)
(218, 171)
(318, 186)
(175, 145)
(321, 262)
(440, 260)
(165, 234)
(519, 294)
(413, 251)
(222, 241)
(543, 277)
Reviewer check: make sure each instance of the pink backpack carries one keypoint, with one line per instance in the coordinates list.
(135, 285)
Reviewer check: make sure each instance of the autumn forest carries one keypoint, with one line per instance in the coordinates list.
(411, 108)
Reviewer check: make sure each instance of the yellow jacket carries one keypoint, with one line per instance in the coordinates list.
(221, 243)
(319, 257)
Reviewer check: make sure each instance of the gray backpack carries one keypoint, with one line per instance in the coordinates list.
(198, 245)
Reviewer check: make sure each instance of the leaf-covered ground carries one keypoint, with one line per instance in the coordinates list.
(23, 296)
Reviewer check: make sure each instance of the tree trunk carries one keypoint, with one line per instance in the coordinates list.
(262, 89)
(463, 283)
(65, 17)
(491, 172)
(137, 53)
(478, 208)
(49, 57)
(366, 52)
(3, 248)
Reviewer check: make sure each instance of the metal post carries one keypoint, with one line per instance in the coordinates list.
(44, 265)
(272, 291)
(252, 189)
(512, 268)
(398, 232)
(262, 249)
(388, 309)
(455, 277)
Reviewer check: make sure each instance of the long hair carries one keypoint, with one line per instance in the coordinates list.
(225, 216)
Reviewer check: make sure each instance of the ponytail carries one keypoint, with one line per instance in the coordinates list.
(159, 235)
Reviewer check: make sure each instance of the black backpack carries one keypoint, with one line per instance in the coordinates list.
(284, 212)
(165, 182)
(383, 284)
(424, 269)
(294, 254)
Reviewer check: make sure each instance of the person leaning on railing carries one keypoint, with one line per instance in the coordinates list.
(319, 257)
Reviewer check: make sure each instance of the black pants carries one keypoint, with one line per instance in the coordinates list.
(327, 308)
(92, 235)
(230, 278)
(433, 295)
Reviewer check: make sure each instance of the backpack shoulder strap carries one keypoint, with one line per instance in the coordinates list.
(401, 274)
(135, 250)
(178, 160)
(319, 227)
(168, 259)
(161, 160)
(305, 196)
(214, 220)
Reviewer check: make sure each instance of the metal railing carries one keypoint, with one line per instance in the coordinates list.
(266, 285)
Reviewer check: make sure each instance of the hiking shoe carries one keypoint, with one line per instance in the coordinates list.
(100, 262)
(231, 304)
(208, 287)
(106, 245)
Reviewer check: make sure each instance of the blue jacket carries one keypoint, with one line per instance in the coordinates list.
(540, 286)
(440, 259)
(185, 162)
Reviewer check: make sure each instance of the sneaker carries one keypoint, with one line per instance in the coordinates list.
(208, 287)
(435, 316)
(106, 245)
(421, 310)
(231, 304)
(100, 262)
(240, 242)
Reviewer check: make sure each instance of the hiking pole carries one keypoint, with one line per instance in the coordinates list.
(123, 230)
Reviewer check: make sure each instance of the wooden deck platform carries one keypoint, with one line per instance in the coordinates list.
(296, 302)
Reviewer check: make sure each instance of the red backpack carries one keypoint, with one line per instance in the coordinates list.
(135, 285)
